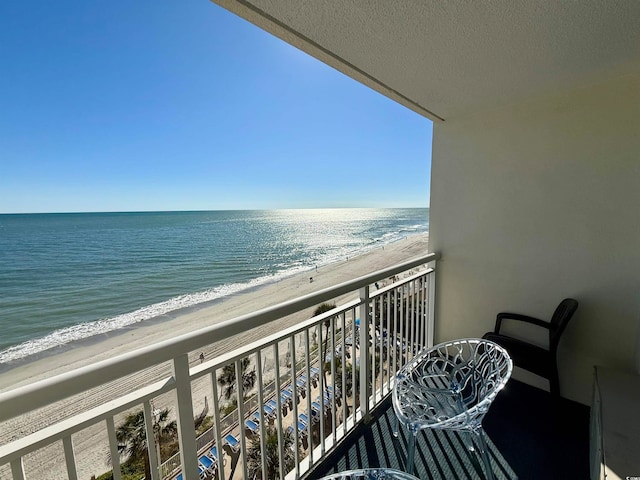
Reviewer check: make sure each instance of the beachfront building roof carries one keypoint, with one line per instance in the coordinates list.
(535, 168)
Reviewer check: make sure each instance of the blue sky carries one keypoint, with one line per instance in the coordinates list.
(140, 105)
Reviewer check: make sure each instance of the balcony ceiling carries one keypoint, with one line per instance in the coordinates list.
(449, 58)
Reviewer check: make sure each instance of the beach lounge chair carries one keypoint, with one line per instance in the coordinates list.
(252, 426)
(325, 404)
(304, 418)
(316, 408)
(256, 417)
(287, 395)
(302, 428)
(328, 396)
(331, 388)
(315, 416)
(269, 409)
(315, 372)
(273, 405)
(285, 401)
(208, 464)
(233, 442)
(315, 412)
(213, 453)
(301, 383)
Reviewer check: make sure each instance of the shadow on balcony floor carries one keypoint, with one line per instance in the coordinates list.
(529, 439)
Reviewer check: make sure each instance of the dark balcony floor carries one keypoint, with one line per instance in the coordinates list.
(530, 438)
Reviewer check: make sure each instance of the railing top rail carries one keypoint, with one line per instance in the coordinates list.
(43, 437)
(44, 392)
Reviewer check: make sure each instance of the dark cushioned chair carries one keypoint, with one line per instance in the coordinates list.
(531, 357)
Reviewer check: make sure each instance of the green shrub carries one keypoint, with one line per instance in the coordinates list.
(207, 423)
(130, 471)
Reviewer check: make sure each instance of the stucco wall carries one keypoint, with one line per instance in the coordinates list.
(537, 201)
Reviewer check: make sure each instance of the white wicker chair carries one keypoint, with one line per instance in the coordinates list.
(450, 387)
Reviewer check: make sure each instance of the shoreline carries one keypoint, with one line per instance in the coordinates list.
(89, 443)
(239, 288)
(70, 356)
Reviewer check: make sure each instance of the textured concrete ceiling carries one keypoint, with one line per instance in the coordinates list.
(444, 58)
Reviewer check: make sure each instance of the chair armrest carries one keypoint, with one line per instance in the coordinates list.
(521, 318)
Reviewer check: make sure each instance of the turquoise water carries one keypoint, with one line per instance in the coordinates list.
(67, 277)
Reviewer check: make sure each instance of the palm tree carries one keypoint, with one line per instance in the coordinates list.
(347, 371)
(132, 437)
(272, 454)
(227, 379)
(320, 309)
(350, 388)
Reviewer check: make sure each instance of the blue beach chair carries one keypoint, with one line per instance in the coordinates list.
(301, 384)
(302, 428)
(252, 426)
(214, 453)
(316, 408)
(269, 410)
(304, 418)
(233, 442)
(286, 396)
(208, 464)
(256, 417)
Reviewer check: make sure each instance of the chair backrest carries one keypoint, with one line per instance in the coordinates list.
(559, 321)
(481, 371)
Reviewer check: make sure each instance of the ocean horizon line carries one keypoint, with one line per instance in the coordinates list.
(98, 212)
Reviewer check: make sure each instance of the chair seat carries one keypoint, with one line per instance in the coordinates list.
(525, 355)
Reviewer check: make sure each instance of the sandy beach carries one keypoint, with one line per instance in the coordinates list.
(89, 445)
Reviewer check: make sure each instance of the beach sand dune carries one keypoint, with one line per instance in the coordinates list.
(90, 444)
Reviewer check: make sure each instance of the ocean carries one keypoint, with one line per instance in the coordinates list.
(68, 277)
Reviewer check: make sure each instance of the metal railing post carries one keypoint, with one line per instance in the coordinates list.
(431, 319)
(241, 415)
(152, 447)
(113, 449)
(261, 414)
(186, 430)
(17, 469)
(365, 356)
(70, 458)
(217, 424)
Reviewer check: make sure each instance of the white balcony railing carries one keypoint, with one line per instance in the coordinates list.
(307, 385)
